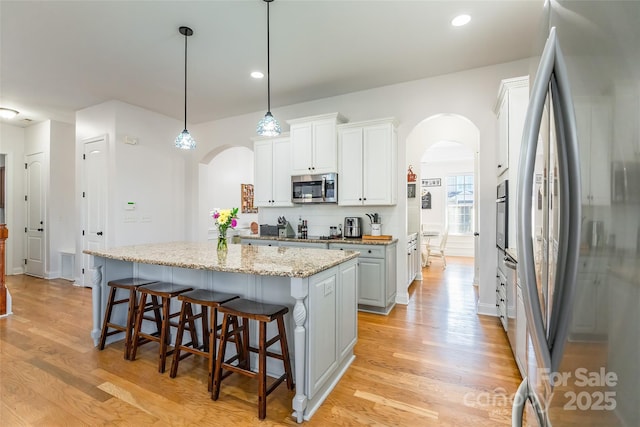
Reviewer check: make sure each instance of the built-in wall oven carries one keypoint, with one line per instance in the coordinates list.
(502, 217)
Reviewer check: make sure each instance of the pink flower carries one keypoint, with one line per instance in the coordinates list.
(234, 222)
(216, 215)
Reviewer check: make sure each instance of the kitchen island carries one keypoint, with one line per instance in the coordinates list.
(318, 285)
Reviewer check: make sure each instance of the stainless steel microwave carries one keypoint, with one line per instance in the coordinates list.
(322, 188)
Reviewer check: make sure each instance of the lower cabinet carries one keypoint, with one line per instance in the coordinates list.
(589, 318)
(521, 333)
(333, 323)
(413, 258)
(260, 242)
(377, 275)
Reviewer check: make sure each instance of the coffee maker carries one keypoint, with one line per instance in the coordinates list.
(352, 226)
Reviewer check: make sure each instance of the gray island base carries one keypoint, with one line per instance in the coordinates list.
(319, 286)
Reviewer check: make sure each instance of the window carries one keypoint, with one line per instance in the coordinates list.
(460, 204)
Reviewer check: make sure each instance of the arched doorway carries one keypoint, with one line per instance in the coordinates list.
(220, 175)
(451, 128)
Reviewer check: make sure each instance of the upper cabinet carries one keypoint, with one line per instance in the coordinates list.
(272, 171)
(511, 108)
(314, 144)
(595, 134)
(367, 169)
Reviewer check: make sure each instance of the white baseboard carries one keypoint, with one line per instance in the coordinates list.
(402, 298)
(487, 309)
(19, 270)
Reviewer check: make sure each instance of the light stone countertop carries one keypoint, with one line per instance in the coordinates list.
(349, 240)
(246, 259)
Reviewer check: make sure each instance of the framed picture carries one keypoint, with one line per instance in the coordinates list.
(432, 182)
(246, 194)
(411, 191)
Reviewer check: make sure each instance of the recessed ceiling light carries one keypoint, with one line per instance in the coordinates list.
(7, 113)
(460, 20)
(257, 75)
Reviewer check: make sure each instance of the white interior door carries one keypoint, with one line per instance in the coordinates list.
(94, 201)
(35, 207)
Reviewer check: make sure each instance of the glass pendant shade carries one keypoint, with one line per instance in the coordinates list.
(268, 126)
(185, 141)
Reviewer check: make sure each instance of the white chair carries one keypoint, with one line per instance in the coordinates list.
(438, 250)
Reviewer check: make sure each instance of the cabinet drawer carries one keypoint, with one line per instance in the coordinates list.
(366, 251)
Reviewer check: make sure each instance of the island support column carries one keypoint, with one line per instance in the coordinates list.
(300, 291)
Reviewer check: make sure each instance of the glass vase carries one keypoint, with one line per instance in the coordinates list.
(222, 241)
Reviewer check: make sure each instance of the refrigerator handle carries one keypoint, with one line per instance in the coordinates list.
(569, 175)
(519, 400)
(526, 262)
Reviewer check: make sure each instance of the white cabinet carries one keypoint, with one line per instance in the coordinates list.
(589, 319)
(332, 323)
(284, 243)
(502, 155)
(593, 121)
(303, 244)
(258, 242)
(272, 172)
(413, 259)
(376, 276)
(521, 333)
(367, 163)
(314, 144)
(511, 108)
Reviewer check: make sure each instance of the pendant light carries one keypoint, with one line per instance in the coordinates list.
(184, 140)
(268, 126)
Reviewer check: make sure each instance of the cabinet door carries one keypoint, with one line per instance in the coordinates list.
(378, 155)
(263, 173)
(301, 148)
(601, 136)
(281, 173)
(372, 282)
(325, 146)
(389, 274)
(502, 155)
(584, 307)
(593, 123)
(521, 334)
(350, 171)
(347, 306)
(322, 335)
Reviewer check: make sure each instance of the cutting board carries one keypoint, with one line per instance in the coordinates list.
(370, 237)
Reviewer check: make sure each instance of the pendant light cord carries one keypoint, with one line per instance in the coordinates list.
(186, 35)
(268, 65)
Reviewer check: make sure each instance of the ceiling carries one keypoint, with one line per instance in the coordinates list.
(57, 57)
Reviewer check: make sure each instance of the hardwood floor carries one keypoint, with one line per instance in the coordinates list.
(433, 362)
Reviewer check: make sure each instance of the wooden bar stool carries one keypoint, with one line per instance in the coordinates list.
(206, 300)
(166, 291)
(263, 314)
(130, 284)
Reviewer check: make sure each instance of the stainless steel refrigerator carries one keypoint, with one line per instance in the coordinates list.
(578, 219)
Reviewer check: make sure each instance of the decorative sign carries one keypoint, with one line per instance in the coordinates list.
(426, 200)
(432, 182)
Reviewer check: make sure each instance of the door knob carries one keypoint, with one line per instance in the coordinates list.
(476, 234)
(99, 233)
